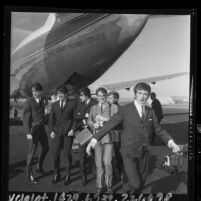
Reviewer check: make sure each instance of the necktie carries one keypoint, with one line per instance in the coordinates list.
(101, 108)
(143, 111)
(61, 105)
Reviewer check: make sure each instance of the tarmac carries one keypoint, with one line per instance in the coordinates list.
(158, 180)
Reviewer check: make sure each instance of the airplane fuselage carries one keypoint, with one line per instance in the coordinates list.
(76, 51)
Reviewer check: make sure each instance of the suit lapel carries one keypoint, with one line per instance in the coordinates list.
(146, 114)
(97, 110)
(135, 114)
(35, 102)
(64, 106)
(88, 105)
(58, 106)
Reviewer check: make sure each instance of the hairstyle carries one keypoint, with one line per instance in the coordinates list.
(37, 86)
(69, 86)
(85, 91)
(62, 89)
(142, 86)
(153, 94)
(114, 94)
(101, 89)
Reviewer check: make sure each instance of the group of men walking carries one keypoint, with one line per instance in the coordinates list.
(120, 131)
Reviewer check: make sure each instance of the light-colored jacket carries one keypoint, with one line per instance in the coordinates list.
(95, 111)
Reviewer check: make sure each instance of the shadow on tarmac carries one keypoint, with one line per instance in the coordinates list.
(168, 183)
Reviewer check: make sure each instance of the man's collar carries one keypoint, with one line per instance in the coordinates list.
(37, 99)
(105, 103)
(136, 103)
(64, 100)
(87, 102)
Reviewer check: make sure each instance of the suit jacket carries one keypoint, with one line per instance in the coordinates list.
(156, 106)
(115, 133)
(82, 113)
(136, 133)
(33, 114)
(62, 120)
(108, 111)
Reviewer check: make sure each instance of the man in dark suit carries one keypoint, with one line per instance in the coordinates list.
(81, 116)
(33, 122)
(138, 122)
(61, 128)
(156, 106)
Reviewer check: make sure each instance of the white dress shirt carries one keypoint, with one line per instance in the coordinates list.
(139, 107)
(103, 105)
(64, 102)
(38, 100)
(87, 102)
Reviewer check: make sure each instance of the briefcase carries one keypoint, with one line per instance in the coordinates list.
(172, 163)
(83, 136)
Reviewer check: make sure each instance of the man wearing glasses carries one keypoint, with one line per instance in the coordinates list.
(98, 116)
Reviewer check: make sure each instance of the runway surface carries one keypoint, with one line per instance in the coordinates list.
(158, 180)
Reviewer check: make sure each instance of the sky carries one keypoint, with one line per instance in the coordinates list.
(163, 47)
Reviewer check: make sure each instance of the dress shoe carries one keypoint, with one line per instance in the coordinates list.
(123, 178)
(32, 179)
(40, 170)
(84, 180)
(128, 189)
(67, 180)
(109, 190)
(100, 190)
(56, 179)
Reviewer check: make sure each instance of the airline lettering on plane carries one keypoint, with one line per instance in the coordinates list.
(94, 39)
(40, 56)
(87, 41)
(53, 51)
(80, 43)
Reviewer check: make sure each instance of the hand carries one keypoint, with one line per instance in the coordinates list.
(101, 118)
(70, 133)
(173, 146)
(96, 125)
(29, 136)
(98, 118)
(91, 145)
(52, 134)
(104, 118)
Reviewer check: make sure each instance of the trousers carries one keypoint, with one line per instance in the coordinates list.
(62, 143)
(136, 169)
(38, 136)
(103, 161)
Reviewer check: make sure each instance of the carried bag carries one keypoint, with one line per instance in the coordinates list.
(172, 163)
(83, 136)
